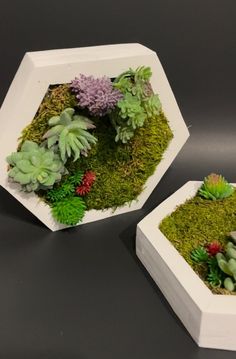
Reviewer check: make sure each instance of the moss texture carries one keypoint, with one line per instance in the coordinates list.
(54, 102)
(121, 169)
(198, 222)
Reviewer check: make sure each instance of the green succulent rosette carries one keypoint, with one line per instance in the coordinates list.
(35, 167)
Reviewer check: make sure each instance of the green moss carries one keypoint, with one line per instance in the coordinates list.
(121, 169)
(55, 101)
(198, 222)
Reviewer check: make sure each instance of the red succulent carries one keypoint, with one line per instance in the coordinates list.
(213, 248)
(86, 184)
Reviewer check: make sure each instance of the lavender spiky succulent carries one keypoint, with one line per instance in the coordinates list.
(96, 94)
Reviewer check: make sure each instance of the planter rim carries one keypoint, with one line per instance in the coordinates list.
(189, 280)
(40, 69)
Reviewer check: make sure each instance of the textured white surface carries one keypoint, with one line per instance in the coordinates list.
(209, 318)
(38, 70)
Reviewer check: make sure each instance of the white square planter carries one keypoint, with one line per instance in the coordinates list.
(38, 70)
(209, 318)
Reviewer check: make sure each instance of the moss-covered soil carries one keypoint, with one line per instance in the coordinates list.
(121, 169)
(198, 222)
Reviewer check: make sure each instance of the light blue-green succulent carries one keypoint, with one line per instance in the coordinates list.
(35, 167)
(138, 104)
(152, 106)
(131, 110)
(227, 263)
(69, 132)
(124, 134)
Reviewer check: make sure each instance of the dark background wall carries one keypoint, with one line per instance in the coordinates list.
(82, 293)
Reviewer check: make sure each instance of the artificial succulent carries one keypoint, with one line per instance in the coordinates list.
(207, 256)
(95, 94)
(135, 82)
(69, 210)
(130, 109)
(152, 106)
(215, 187)
(35, 167)
(70, 132)
(199, 254)
(138, 104)
(227, 264)
(66, 188)
(87, 181)
(123, 133)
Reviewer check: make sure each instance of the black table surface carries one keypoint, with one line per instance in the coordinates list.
(82, 293)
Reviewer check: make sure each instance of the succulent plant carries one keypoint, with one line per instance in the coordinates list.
(69, 131)
(227, 264)
(138, 104)
(35, 167)
(65, 188)
(152, 105)
(213, 248)
(215, 187)
(86, 183)
(131, 110)
(215, 276)
(199, 255)
(123, 134)
(96, 94)
(135, 81)
(58, 193)
(69, 211)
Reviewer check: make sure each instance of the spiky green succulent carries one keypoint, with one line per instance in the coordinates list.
(199, 255)
(70, 133)
(60, 192)
(35, 167)
(215, 187)
(65, 188)
(69, 211)
(215, 276)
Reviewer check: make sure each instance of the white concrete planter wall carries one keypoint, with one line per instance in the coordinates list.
(38, 70)
(209, 318)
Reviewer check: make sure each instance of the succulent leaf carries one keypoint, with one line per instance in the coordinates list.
(35, 167)
(199, 255)
(229, 284)
(67, 132)
(215, 187)
(69, 211)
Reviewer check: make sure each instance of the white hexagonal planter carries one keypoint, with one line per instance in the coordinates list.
(38, 70)
(209, 318)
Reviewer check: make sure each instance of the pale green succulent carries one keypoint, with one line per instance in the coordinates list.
(131, 110)
(35, 167)
(227, 263)
(152, 106)
(124, 134)
(134, 81)
(69, 132)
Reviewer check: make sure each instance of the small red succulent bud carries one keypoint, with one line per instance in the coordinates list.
(213, 248)
(86, 184)
(88, 178)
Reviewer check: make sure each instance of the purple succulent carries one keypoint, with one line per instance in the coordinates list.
(96, 94)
